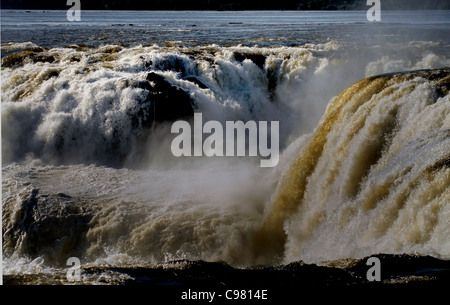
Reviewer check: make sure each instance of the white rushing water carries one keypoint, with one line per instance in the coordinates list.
(82, 178)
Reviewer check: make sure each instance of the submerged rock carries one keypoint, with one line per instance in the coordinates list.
(196, 81)
(51, 226)
(32, 55)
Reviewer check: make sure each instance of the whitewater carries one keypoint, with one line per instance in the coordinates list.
(88, 171)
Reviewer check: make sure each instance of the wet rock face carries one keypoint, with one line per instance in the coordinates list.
(257, 59)
(403, 267)
(164, 102)
(196, 81)
(52, 226)
(398, 271)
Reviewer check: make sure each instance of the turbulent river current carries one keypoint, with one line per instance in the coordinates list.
(88, 170)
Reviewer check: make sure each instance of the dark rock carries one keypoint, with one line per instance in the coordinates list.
(75, 58)
(257, 59)
(398, 271)
(52, 73)
(20, 58)
(15, 59)
(272, 81)
(43, 58)
(443, 86)
(164, 103)
(441, 164)
(173, 63)
(403, 266)
(52, 226)
(414, 270)
(200, 273)
(196, 81)
(111, 49)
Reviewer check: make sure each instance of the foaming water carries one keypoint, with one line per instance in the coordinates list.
(89, 105)
(373, 177)
(131, 216)
(87, 168)
(84, 105)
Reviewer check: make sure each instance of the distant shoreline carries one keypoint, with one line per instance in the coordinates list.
(216, 10)
(229, 5)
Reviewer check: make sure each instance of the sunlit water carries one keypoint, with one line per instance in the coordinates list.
(78, 181)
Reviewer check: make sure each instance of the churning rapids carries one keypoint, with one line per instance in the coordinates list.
(87, 168)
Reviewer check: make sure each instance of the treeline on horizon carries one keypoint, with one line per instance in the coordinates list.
(226, 4)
